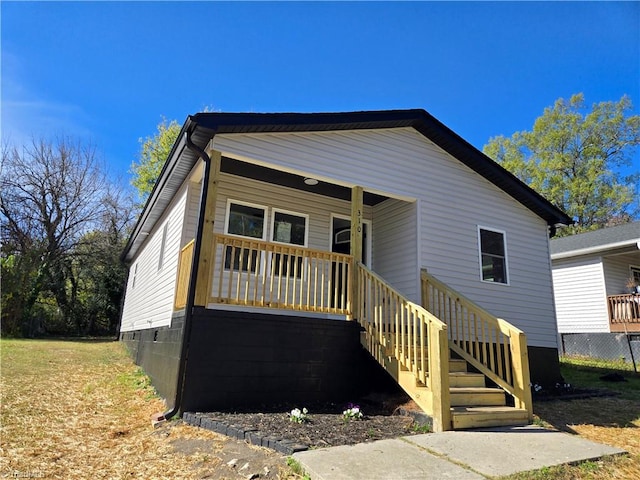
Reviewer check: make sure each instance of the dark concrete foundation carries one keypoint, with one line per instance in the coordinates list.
(157, 351)
(238, 360)
(243, 360)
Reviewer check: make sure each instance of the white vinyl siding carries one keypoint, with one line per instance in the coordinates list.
(277, 198)
(580, 296)
(453, 200)
(617, 270)
(150, 303)
(395, 238)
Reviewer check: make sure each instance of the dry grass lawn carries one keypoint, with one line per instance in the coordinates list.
(613, 420)
(81, 409)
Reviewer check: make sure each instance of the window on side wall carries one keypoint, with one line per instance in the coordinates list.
(493, 255)
(244, 220)
(289, 228)
(635, 273)
(163, 245)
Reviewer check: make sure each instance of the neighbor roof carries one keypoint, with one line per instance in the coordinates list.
(203, 126)
(627, 235)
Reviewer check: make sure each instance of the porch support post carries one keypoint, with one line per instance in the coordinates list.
(207, 250)
(357, 196)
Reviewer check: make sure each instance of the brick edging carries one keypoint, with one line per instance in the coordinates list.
(240, 432)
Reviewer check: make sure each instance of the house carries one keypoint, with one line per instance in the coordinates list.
(595, 278)
(281, 257)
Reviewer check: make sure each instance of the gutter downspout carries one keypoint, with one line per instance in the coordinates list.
(191, 294)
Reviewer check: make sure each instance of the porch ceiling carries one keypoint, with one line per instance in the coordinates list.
(277, 177)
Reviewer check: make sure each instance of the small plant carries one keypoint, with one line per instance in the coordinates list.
(352, 413)
(299, 416)
(417, 428)
(296, 468)
(536, 388)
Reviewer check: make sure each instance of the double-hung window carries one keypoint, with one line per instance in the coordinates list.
(289, 228)
(493, 255)
(244, 220)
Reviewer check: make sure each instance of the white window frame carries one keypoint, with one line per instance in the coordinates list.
(634, 271)
(296, 214)
(506, 255)
(163, 245)
(275, 210)
(227, 217)
(135, 276)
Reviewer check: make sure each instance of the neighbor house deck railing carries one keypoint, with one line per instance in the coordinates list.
(492, 345)
(395, 326)
(624, 312)
(264, 274)
(184, 271)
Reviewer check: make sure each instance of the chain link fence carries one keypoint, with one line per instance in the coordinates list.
(620, 347)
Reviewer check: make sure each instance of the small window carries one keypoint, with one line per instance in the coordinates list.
(135, 275)
(635, 274)
(289, 228)
(244, 220)
(493, 255)
(163, 244)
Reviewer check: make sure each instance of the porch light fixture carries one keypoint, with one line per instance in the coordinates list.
(310, 181)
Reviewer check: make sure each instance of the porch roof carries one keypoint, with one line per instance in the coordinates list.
(618, 239)
(202, 127)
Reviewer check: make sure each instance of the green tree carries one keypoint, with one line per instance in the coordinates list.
(63, 222)
(573, 156)
(154, 151)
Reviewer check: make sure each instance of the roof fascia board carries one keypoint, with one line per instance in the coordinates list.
(174, 155)
(600, 248)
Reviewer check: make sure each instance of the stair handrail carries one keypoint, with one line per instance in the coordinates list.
(417, 338)
(494, 346)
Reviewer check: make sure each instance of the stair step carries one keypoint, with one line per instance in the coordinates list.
(457, 365)
(478, 417)
(466, 379)
(476, 396)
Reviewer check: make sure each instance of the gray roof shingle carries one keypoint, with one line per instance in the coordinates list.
(627, 232)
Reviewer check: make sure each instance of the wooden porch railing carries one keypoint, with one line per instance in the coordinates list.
(492, 345)
(417, 339)
(263, 274)
(624, 312)
(184, 271)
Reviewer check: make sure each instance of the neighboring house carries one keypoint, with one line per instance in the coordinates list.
(275, 246)
(595, 278)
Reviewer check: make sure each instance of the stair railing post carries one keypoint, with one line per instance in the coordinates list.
(439, 374)
(521, 376)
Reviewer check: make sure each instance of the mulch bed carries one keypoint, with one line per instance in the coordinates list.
(326, 427)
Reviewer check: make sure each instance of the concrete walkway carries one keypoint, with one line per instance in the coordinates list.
(471, 454)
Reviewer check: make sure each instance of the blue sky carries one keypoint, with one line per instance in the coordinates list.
(108, 72)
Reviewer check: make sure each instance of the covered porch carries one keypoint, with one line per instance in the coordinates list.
(254, 273)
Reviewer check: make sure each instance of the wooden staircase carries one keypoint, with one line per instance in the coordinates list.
(472, 403)
(463, 367)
